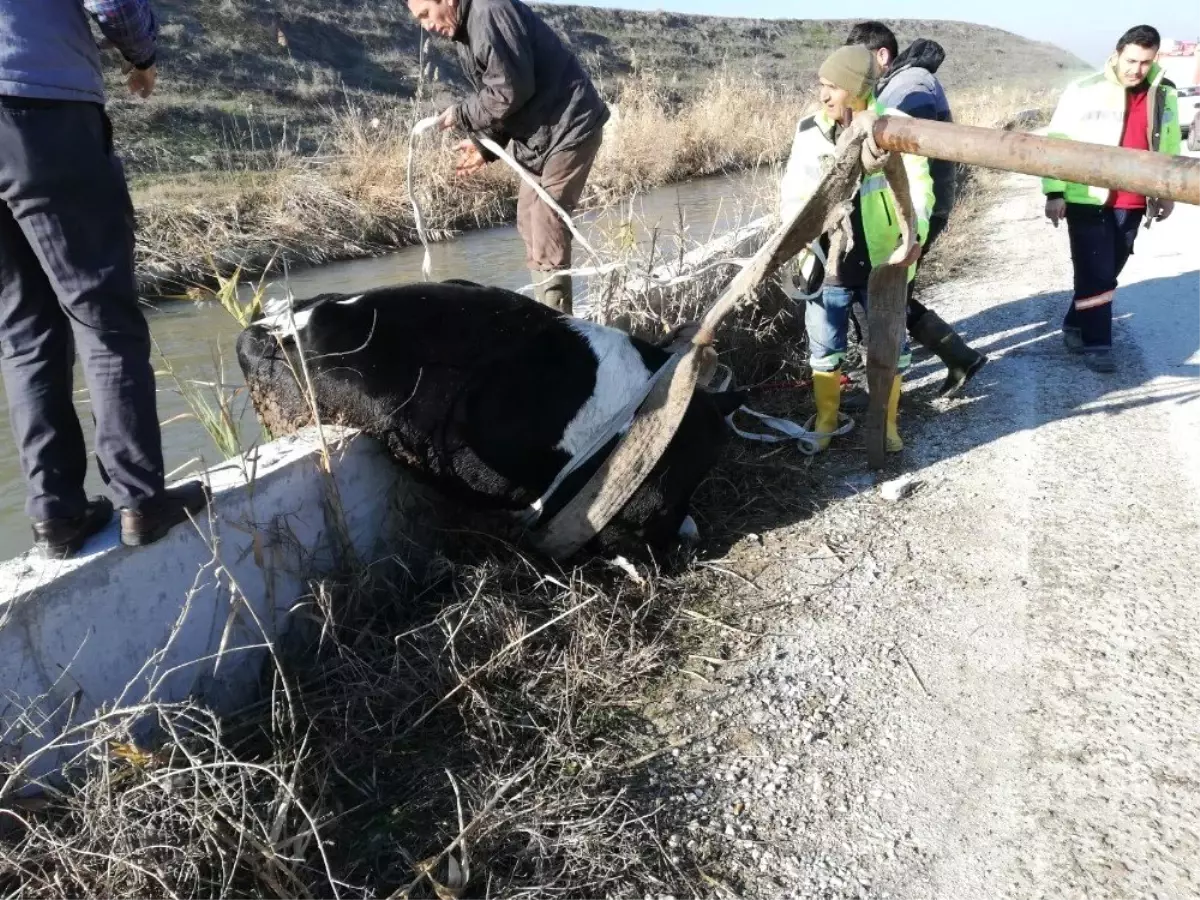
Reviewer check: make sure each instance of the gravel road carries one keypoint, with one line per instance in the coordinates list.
(990, 687)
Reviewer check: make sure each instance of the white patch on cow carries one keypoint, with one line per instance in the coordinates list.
(689, 532)
(279, 319)
(283, 323)
(620, 374)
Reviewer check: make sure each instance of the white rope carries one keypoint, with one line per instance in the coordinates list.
(526, 176)
(807, 440)
(427, 124)
(598, 268)
(420, 128)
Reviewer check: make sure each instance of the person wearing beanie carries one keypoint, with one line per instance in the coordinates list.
(909, 83)
(847, 84)
(851, 70)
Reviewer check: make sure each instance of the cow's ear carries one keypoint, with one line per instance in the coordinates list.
(728, 401)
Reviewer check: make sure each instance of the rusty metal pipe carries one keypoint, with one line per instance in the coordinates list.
(1150, 174)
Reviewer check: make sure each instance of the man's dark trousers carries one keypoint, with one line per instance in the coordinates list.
(66, 286)
(1101, 243)
(915, 309)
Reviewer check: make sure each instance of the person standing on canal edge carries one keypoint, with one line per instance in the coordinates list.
(909, 83)
(530, 90)
(67, 277)
(1129, 104)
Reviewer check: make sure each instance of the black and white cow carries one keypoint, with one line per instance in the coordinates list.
(483, 392)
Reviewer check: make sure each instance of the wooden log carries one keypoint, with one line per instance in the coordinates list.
(1150, 174)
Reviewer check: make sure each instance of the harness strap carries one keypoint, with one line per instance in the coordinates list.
(807, 440)
(617, 424)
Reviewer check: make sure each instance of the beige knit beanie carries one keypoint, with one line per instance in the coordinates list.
(853, 69)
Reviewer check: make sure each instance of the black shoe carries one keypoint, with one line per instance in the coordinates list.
(156, 517)
(962, 362)
(63, 538)
(1100, 361)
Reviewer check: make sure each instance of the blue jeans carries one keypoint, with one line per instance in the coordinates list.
(827, 319)
(1101, 243)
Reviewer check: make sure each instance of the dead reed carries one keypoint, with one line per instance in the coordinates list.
(478, 726)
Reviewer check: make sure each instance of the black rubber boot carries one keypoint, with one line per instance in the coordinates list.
(943, 341)
(555, 289)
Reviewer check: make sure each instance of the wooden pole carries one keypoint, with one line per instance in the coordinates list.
(1154, 175)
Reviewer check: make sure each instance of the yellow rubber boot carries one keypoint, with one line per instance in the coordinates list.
(827, 392)
(894, 443)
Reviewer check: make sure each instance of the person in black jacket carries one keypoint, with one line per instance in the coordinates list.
(530, 91)
(910, 84)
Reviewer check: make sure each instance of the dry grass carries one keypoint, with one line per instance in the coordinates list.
(488, 714)
(477, 728)
(351, 200)
(733, 124)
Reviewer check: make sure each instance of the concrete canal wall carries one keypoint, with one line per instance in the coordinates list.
(192, 615)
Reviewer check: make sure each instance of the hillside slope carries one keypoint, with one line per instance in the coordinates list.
(241, 79)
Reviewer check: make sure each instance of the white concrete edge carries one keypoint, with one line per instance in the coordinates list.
(194, 615)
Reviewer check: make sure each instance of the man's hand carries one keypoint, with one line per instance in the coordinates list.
(141, 81)
(470, 160)
(1165, 208)
(446, 120)
(1056, 210)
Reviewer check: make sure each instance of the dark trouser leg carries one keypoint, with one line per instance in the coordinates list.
(66, 192)
(37, 358)
(916, 309)
(932, 332)
(1101, 243)
(1127, 223)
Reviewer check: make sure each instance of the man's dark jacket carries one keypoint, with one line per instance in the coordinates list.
(529, 88)
(911, 86)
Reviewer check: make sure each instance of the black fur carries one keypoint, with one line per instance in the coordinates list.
(471, 388)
